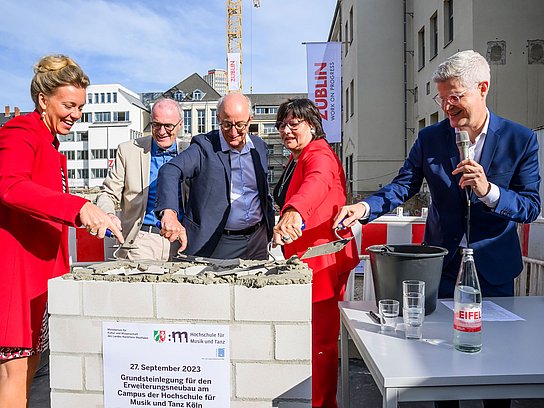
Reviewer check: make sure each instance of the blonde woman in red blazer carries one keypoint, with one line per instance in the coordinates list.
(35, 212)
(311, 191)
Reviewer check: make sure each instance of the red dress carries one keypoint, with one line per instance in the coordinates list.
(317, 191)
(34, 217)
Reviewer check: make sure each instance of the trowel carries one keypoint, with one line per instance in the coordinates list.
(328, 248)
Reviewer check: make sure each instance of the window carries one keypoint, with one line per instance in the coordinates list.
(428, 87)
(178, 96)
(416, 96)
(266, 110)
(102, 97)
(82, 173)
(120, 116)
(113, 153)
(82, 155)
(70, 154)
(197, 95)
(350, 32)
(421, 48)
(114, 97)
(347, 104)
(99, 153)
(89, 98)
(71, 173)
(270, 148)
(421, 124)
(448, 21)
(102, 116)
(66, 138)
(96, 96)
(99, 173)
(108, 97)
(434, 118)
(433, 23)
(187, 121)
(86, 117)
(82, 136)
(269, 128)
(349, 177)
(270, 175)
(346, 28)
(201, 120)
(213, 113)
(351, 98)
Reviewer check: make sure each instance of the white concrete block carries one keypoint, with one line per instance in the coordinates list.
(254, 380)
(64, 297)
(290, 404)
(189, 301)
(94, 377)
(65, 400)
(293, 342)
(117, 299)
(66, 372)
(75, 335)
(251, 404)
(252, 342)
(283, 303)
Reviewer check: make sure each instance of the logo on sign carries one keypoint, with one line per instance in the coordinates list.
(159, 335)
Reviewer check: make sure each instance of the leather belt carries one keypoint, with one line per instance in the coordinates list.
(245, 231)
(150, 228)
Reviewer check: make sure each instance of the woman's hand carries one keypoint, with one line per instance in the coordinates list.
(288, 228)
(97, 222)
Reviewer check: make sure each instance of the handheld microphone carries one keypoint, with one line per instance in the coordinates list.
(463, 142)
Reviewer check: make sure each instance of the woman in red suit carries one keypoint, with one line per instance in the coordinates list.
(35, 212)
(312, 190)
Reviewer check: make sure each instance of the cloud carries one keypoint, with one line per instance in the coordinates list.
(150, 46)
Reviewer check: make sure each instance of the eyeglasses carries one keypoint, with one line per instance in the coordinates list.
(293, 125)
(169, 127)
(453, 99)
(239, 126)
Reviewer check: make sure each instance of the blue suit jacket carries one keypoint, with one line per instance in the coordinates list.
(208, 170)
(510, 161)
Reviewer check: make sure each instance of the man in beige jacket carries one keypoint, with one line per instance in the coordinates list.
(131, 185)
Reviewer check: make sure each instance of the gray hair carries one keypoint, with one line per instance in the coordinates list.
(221, 101)
(168, 101)
(468, 67)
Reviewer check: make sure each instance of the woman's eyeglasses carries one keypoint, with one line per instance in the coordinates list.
(293, 125)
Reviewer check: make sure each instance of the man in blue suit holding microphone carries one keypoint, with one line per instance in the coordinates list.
(501, 174)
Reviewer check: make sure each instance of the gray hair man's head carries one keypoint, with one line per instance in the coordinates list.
(469, 67)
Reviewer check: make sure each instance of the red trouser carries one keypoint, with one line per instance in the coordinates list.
(325, 330)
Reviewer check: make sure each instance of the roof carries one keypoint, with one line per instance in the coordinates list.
(133, 100)
(189, 85)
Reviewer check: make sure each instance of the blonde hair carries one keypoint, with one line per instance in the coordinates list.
(54, 71)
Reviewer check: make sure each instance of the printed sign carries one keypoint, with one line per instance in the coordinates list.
(166, 365)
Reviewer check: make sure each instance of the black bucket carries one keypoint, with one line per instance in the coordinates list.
(392, 264)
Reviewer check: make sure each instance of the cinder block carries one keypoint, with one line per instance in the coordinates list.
(290, 404)
(293, 342)
(64, 297)
(66, 372)
(254, 380)
(251, 404)
(75, 335)
(283, 303)
(117, 299)
(189, 301)
(66, 399)
(94, 377)
(251, 342)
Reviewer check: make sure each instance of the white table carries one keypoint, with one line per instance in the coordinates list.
(510, 365)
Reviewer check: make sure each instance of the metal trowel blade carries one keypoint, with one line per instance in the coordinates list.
(325, 249)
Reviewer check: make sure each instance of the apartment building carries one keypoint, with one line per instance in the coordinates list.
(390, 49)
(113, 114)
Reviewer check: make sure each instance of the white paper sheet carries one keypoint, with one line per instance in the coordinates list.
(491, 312)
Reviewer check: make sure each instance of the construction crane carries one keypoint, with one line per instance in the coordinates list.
(234, 31)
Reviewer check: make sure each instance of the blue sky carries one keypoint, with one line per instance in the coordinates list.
(152, 45)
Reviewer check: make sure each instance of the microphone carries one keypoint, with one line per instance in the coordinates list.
(463, 142)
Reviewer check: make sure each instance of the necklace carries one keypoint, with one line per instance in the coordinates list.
(287, 175)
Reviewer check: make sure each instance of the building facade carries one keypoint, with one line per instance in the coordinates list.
(390, 50)
(112, 115)
(217, 79)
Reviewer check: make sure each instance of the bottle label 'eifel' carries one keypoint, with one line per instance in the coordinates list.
(468, 319)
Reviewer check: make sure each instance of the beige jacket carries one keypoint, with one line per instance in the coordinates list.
(126, 187)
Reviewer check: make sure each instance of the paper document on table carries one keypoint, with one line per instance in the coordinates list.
(491, 312)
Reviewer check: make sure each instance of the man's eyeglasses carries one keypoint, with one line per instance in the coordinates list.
(453, 99)
(239, 126)
(293, 125)
(169, 127)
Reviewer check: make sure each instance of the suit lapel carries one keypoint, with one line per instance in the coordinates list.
(455, 158)
(224, 157)
(490, 144)
(145, 163)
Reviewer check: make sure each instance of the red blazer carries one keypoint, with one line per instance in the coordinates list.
(34, 215)
(317, 191)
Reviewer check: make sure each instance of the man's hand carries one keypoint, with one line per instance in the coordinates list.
(349, 215)
(171, 229)
(473, 176)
